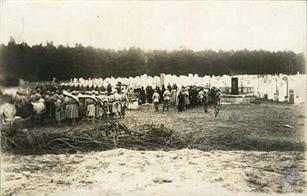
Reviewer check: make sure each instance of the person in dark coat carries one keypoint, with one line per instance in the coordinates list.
(149, 93)
(102, 89)
(169, 87)
(203, 98)
(175, 87)
(181, 101)
(18, 102)
(205, 101)
(59, 111)
(161, 94)
(82, 108)
(142, 95)
(52, 100)
(193, 96)
(109, 89)
(28, 109)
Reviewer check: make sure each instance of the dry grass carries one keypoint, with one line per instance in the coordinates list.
(238, 127)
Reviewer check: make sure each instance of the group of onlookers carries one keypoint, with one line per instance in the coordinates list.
(71, 103)
(183, 98)
(62, 104)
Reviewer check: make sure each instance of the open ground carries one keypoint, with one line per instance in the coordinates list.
(253, 148)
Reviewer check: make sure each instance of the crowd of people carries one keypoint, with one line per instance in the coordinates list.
(63, 103)
(183, 98)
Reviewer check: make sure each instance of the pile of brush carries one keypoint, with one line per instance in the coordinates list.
(153, 137)
(102, 136)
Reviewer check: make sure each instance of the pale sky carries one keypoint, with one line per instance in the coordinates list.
(172, 25)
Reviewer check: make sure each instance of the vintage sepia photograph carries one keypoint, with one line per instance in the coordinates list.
(153, 98)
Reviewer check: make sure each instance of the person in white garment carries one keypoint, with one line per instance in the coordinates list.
(156, 99)
(166, 99)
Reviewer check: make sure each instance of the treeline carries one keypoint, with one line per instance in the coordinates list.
(38, 62)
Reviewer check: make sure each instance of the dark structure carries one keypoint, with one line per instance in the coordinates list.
(234, 86)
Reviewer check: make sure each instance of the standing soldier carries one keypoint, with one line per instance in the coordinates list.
(54, 81)
(166, 99)
(200, 97)
(109, 89)
(27, 108)
(99, 110)
(124, 102)
(180, 101)
(185, 92)
(173, 97)
(149, 93)
(169, 87)
(82, 106)
(52, 100)
(142, 95)
(7, 112)
(105, 107)
(71, 109)
(59, 111)
(217, 102)
(156, 99)
(90, 109)
(205, 101)
(162, 93)
(203, 98)
(216, 94)
(117, 104)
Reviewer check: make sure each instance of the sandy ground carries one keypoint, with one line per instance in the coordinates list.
(180, 172)
(128, 172)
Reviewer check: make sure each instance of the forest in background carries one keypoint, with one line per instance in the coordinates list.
(43, 62)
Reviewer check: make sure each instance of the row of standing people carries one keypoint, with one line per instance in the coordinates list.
(38, 105)
(184, 98)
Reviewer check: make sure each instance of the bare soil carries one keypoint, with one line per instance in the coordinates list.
(218, 160)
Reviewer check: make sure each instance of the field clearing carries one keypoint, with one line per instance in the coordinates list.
(258, 119)
(219, 163)
(262, 123)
